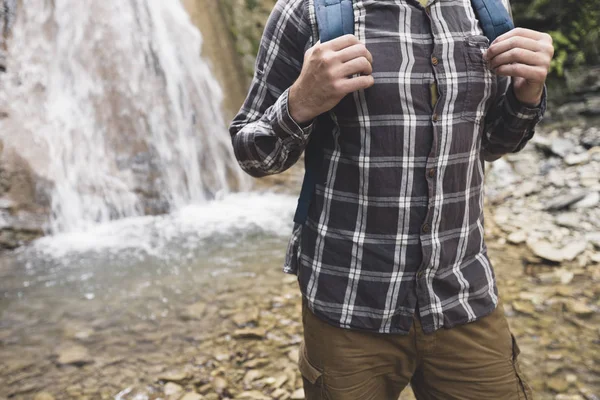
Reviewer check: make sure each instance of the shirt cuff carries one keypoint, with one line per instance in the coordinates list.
(523, 111)
(285, 127)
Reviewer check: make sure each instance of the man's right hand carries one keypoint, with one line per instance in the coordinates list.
(327, 76)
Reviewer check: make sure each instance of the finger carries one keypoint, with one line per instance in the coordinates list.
(513, 43)
(341, 42)
(356, 83)
(531, 73)
(354, 51)
(521, 56)
(356, 66)
(529, 33)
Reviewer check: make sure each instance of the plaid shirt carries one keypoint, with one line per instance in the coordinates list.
(395, 225)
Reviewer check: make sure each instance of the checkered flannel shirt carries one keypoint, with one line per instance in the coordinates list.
(395, 226)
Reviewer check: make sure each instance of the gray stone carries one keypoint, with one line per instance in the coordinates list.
(593, 238)
(569, 220)
(589, 201)
(251, 376)
(194, 311)
(172, 388)
(298, 394)
(562, 147)
(173, 376)
(564, 201)
(192, 396)
(575, 159)
(517, 237)
(74, 355)
(548, 251)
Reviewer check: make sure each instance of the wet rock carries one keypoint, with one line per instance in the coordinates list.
(194, 311)
(43, 396)
(74, 355)
(172, 388)
(250, 333)
(549, 252)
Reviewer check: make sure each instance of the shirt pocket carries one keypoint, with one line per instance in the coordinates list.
(480, 81)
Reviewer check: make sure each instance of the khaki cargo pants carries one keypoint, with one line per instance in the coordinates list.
(476, 361)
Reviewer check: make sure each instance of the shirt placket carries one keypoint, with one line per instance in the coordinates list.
(430, 175)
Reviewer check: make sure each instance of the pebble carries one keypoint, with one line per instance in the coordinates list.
(173, 376)
(251, 376)
(252, 395)
(250, 333)
(192, 396)
(194, 311)
(74, 355)
(298, 394)
(43, 396)
(575, 159)
(580, 309)
(172, 388)
(548, 251)
(589, 201)
(557, 384)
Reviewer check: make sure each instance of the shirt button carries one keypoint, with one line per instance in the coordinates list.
(426, 228)
(435, 117)
(431, 173)
(434, 60)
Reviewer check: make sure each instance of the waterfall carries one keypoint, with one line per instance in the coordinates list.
(111, 102)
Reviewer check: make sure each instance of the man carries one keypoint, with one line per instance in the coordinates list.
(391, 261)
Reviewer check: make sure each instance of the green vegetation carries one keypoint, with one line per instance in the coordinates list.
(573, 24)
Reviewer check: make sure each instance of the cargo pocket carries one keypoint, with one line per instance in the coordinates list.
(312, 377)
(523, 389)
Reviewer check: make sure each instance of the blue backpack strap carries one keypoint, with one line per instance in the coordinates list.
(335, 18)
(494, 18)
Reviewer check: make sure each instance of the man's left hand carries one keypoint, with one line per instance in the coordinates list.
(525, 55)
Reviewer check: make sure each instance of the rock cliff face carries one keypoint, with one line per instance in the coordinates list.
(246, 21)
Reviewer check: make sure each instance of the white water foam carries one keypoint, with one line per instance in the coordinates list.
(228, 218)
